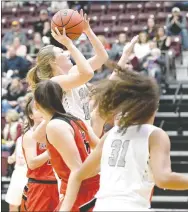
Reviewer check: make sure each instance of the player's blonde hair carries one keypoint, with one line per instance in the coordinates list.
(42, 70)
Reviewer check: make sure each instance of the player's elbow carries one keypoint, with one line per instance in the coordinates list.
(163, 182)
(31, 166)
(103, 58)
(76, 174)
(87, 76)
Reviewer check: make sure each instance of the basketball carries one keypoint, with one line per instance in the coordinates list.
(71, 20)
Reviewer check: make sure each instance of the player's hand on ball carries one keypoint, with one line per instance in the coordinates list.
(86, 20)
(62, 38)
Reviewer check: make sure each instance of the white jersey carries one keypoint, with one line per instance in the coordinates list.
(76, 102)
(18, 178)
(126, 181)
(20, 160)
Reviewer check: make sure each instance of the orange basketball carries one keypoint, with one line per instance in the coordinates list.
(71, 20)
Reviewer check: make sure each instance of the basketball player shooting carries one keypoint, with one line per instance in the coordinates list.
(134, 155)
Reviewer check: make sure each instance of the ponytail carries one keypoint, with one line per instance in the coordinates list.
(32, 77)
(28, 111)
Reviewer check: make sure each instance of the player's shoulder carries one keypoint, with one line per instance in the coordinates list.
(159, 135)
(58, 125)
(27, 139)
(158, 131)
(27, 134)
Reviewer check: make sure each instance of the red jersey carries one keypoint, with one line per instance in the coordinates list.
(82, 140)
(44, 172)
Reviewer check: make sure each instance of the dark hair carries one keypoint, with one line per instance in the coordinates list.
(134, 95)
(157, 32)
(48, 95)
(28, 112)
(146, 34)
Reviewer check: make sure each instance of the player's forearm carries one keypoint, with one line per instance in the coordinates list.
(174, 181)
(38, 161)
(73, 187)
(82, 64)
(123, 61)
(126, 54)
(39, 133)
(101, 55)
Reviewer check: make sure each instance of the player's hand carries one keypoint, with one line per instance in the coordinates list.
(61, 38)
(130, 45)
(11, 160)
(135, 39)
(86, 20)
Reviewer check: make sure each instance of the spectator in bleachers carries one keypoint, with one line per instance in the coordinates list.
(100, 74)
(14, 32)
(152, 44)
(14, 90)
(4, 87)
(142, 48)
(104, 42)
(84, 46)
(36, 44)
(21, 50)
(18, 178)
(117, 48)
(43, 27)
(20, 108)
(17, 64)
(176, 25)
(39, 26)
(58, 5)
(163, 41)
(12, 130)
(151, 28)
(154, 64)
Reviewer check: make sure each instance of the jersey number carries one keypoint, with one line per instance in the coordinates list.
(83, 93)
(119, 147)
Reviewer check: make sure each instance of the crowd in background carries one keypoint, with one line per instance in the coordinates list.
(19, 53)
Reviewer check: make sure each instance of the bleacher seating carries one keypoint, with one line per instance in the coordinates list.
(134, 13)
(172, 116)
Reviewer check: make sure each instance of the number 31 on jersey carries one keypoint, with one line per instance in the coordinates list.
(119, 150)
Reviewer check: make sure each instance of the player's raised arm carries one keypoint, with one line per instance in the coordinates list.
(84, 70)
(89, 168)
(127, 50)
(101, 55)
(126, 54)
(159, 145)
